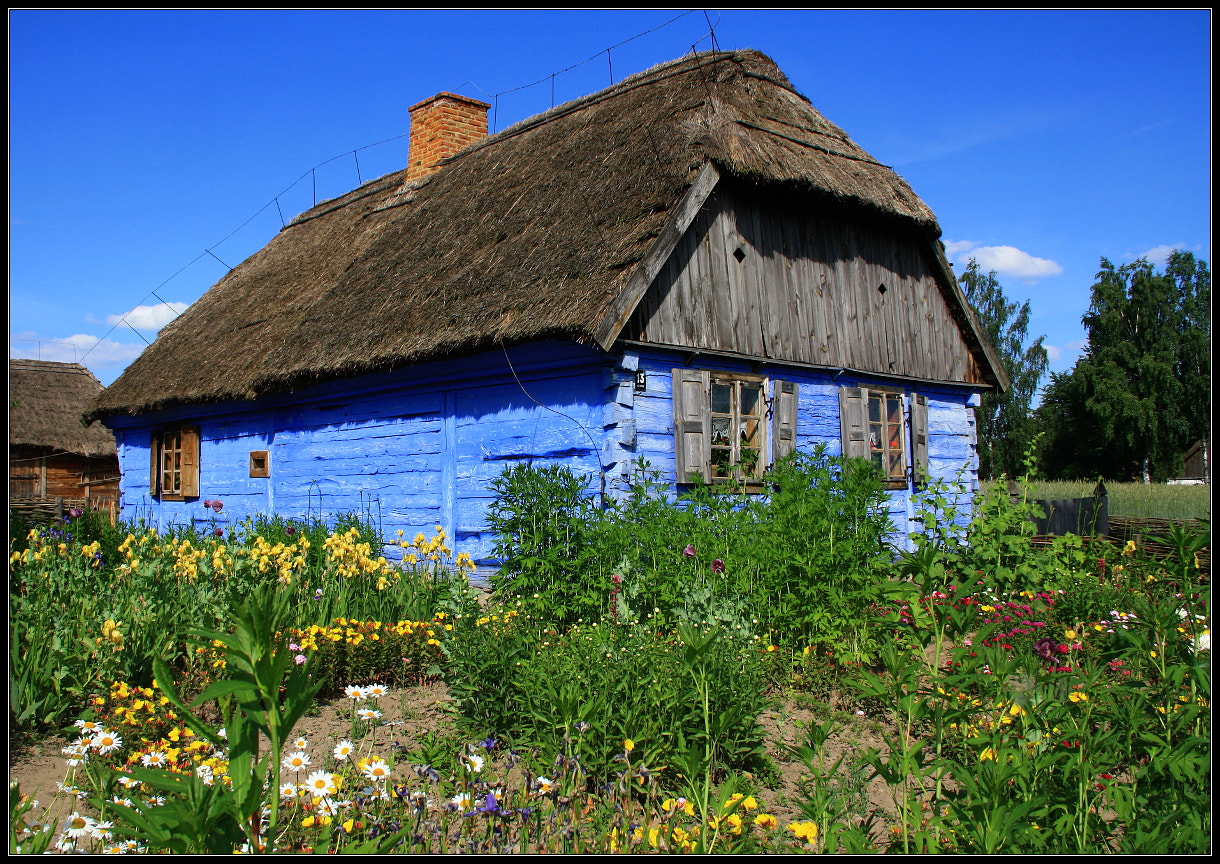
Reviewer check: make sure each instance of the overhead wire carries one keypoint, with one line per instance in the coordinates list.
(311, 172)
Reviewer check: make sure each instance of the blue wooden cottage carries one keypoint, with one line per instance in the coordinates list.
(692, 266)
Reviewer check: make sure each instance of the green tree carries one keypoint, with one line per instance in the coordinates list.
(1140, 394)
(1005, 426)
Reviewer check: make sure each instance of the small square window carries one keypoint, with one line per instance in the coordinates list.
(260, 465)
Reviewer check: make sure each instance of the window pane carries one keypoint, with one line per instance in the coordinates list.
(894, 409)
(722, 398)
(722, 459)
(721, 430)
(751, 399)
(874, 409)
(874, 436)
(896, 465)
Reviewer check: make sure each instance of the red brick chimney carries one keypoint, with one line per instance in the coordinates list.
(440, 127)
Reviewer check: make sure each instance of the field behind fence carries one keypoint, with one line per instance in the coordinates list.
(1158, 501)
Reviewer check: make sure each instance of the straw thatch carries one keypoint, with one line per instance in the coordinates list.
(531, 233)
(46, 403)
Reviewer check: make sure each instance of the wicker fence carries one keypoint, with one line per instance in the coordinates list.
(44, 511)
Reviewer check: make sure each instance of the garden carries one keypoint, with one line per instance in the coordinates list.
(717, 674)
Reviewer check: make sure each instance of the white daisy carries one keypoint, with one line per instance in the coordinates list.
(377, 771)
(375, 691)
(330, 807)
(78, 826)
(368, 714)
(154, 759)
(106, 742)
(356, 694)
(301, 742)
(297, 761)
(344, 749)
(321, 783)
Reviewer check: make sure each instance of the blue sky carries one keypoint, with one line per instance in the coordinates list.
(151, 151)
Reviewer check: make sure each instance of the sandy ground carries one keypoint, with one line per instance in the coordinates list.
(410, 714)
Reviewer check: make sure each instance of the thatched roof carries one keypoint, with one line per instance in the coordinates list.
(46, 402)
(531, 233)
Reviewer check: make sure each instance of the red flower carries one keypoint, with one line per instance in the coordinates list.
(717, 566)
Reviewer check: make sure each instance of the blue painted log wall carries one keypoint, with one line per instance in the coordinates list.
(419, 448)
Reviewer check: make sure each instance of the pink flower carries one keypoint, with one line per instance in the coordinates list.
(300, 659)
(689, 551)
(717, 566)
(217, 506)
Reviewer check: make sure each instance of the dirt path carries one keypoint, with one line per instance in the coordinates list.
(410, 714)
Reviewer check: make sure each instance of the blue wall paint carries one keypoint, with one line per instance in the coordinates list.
(419, 448)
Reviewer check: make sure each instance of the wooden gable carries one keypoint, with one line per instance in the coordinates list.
(805, 286)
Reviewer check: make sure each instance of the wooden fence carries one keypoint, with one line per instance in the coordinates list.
(43, 511)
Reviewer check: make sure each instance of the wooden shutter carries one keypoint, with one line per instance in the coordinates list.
(784, 420)
(692, 423)
(853, 422)
(154, 463)
(919, 437)
(190, 461)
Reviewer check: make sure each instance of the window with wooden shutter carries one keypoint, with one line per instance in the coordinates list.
(784, 418)
(873, 426)
(919, 438)
(726, 431)
(174, 463)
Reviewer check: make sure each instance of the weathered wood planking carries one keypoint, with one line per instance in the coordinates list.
(807, 289)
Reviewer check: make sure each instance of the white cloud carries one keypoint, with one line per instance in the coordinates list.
(1004, 260)
(954, 247)
(1158, 255)
(149, 317)
(83, 348)
(1064, 356)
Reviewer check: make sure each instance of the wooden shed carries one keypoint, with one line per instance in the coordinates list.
(693, 267)
(52, 453)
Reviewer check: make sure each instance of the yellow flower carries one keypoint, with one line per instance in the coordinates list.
(628, 745)
(807, 831)
(1071, 635)
(110, 632)
(988, 755)
(766, 821)
(1077, 696)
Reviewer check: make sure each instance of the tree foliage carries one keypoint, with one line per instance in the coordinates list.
(1140, 395)
(1005, 427)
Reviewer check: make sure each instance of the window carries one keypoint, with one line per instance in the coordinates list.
(259, 464)
(876, 426)
(174, 463)
(726, 429)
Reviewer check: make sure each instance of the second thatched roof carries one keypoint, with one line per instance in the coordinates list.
(529, 234)
(46, 402)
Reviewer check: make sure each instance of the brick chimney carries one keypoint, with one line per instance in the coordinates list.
(440, 127)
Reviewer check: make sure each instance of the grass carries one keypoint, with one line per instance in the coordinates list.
(1153, 500)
